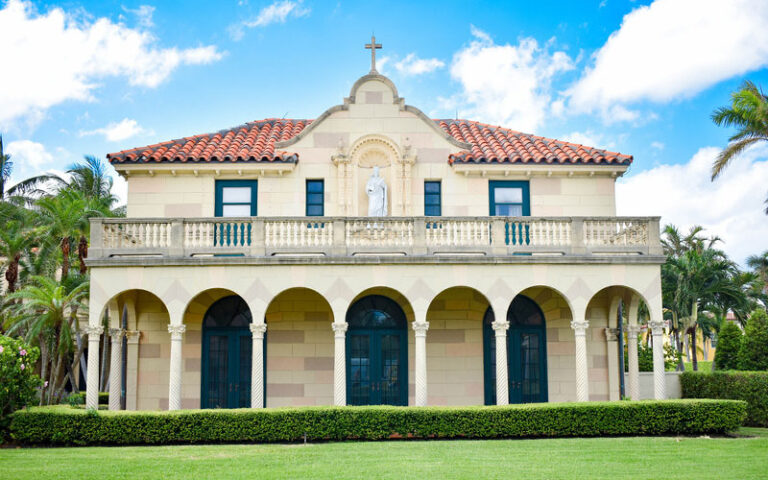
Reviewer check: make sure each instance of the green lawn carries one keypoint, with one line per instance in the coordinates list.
(703, 366)
(594, 458)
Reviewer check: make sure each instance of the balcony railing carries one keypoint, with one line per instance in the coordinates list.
(357, 236)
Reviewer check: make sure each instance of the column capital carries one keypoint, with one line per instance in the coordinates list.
(177, 331)
(580, 326)
(420, 328)
(133, 336)
(500, 327)
(612, 334)
(258, 329)
(116, 334)
(340, 329)
(93, 332)
(633, 330)
(656, 326)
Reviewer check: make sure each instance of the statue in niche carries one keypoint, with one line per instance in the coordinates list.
(376, 189)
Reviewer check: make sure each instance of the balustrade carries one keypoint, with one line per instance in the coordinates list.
(345, 236)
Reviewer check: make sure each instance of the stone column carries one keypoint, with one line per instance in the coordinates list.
(339, 363)
(612, 339)
(633, 383)
(92, 382)
(659, 380)
(502, 380)
(132, 369)
(579, 326)
(116, 368)
(174, 384)
(420, 330)
(257, 364)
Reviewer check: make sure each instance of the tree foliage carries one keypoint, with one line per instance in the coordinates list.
(728, 344)
(753, 354)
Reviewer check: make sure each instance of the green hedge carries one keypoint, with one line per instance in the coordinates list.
(63, 425)
(79, 398)
(752, 387)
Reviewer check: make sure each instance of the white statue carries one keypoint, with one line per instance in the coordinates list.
(376, 188)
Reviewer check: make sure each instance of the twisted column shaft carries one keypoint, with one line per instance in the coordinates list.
(582, 368)
(633, 385)
(420, 330)
(659, 380)
(502, 380)
(339, 363)
(257, 364)
(92, 382)
(116, 368)
(174, 383)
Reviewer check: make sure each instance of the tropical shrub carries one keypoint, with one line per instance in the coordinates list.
(728, 344)
(753, 354)
(752, 387)
(64, 425)
(645, 357)
(18, 383)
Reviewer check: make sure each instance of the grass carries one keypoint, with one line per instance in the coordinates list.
(593, 458)
(703, 366)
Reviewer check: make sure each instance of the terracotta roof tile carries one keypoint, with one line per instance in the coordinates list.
(255, 142)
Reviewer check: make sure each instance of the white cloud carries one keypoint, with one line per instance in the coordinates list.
(673, 49)
(506, 84)
(413, 65)
(52, 57)
(657, 145)
(588, 138)
(731, 207)
(28, 155)
(117, 131)
(143, 15)
(277, 12)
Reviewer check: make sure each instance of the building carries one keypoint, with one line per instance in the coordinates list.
(247, 272)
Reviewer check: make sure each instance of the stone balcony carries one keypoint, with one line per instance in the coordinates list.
(218, 240)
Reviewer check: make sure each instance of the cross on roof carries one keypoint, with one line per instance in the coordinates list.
(372, 47)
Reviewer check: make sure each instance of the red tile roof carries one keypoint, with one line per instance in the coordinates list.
(252, 142)
(491, 144)
(255, 142)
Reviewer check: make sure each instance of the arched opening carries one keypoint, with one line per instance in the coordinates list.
(226, 354)
(526, 353)
(377, 352)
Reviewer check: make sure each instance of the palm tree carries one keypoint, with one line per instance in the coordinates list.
(749, 114)
(15, 241)
(5, 168)
(64, 219)
(759, 264)
(47, 315)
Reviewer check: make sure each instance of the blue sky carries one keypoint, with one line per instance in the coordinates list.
(637, 77)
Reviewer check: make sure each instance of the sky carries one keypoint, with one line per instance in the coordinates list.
(638, 77)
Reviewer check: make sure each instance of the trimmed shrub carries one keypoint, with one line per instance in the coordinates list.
(18, 383)
(63, 425)
(752, 387)
(753, 354)
(728, 344)
(78, 398)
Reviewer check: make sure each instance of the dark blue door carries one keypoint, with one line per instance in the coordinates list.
(377, 353)
(226, 358)
(526, 353)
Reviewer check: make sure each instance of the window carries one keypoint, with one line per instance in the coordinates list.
(236, 198)
(315, 198)
(509, 198)
(432, 201)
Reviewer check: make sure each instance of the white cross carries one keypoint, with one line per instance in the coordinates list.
(373, 46)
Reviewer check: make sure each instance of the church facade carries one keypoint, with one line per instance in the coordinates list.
(370, 256)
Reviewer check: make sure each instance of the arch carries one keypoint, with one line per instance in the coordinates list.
(527, 371)
(373, 141)
(226, 346)
(299, 351)
(199, 303)
(392, 293)
(377, 351)
(603, 298)
(128, 305)
(455, 346)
